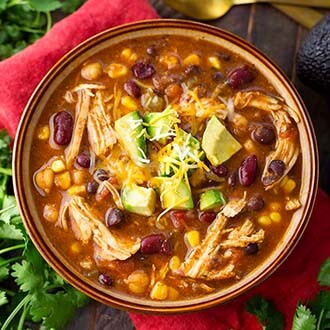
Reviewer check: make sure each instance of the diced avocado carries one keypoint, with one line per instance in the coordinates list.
(210, 199)
(130, 131)
(218, 144)
(160, 124)
(176, 195)
(139, 200)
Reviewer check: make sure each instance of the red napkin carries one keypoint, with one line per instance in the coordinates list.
(294, 281)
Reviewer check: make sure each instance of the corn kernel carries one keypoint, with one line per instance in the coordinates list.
(193, 238)
(78, 177)
(264, 220)
(289, 186)
(75, 247)
(172, 294)
(116, 70)
(192, 59)
(275, 206)
(170, 61)
(91, 71)
(45, 179)
(58, 166)
(76, 190)
(159, 291)
(284, 181)
(63, 180)
(138, 281)
(128, 54)
(44, 133)
(249, 145)
(50, 212)
(128, 102)
(275, 216)
(174, 263)
(214, 62)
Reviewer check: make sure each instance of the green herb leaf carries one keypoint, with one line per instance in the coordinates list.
(8, 231)
(69, 6)
(3, 298)
(303, 319)
(320, 307)
(268, 316)
(324, 274)
(4, 272)
(45, 6)
(9, 209)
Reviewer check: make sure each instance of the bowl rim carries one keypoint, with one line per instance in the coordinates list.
(63, 62)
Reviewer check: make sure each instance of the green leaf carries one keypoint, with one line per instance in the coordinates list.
(28, 277)
(324, 274)
(45, 6)
(3, 298)
(320, 307)
(69, 6)
(3, 5)
(4, 272)
(9, 209)
(268, 316)
(303, 319)
(8, 231)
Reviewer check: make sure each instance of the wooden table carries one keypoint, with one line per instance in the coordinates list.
(279, 37)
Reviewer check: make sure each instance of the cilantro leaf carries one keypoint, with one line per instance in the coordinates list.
(320, 307)
(3, 298)
(9, 209)
(4, 271)
(45, 6)
(268, 316)
(27, 276)
(8, 231)
(69, 6)
(304, 319)
(324, 274)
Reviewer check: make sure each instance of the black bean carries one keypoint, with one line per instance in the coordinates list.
(207, 217)
(143, 70)
(192, 70)
(92, 187)
(240, 76)
(224, 57)
(151, 50)
(277, 166)
(114, 216)
(263, 134)
(63, 128)
(105, 279)
(102, 174)
(152, 244)
(83, 160)
(252, 248)
(132, 88)
(220, 170)
(255, 203)
(248, 170)
(232, 179)
(218, 76)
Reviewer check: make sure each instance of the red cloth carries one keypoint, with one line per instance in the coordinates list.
(294, 281)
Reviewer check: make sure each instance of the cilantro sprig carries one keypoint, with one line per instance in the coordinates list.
(313, 315)
(24, 21)
(29, 289)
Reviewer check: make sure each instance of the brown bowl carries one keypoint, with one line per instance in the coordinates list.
(24, 141)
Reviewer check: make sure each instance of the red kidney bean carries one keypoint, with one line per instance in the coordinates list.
(248, 170)
(63, 128)
(263, 134)
(143, 70)
(152, 244)
(277, 166)
(178, 219)
(105, 279)
(114, 216)
(207, 217)
(220, 170)
(240, 76)
(166, 247)
(132, 88)
(255, 203)
(83, 160)
(251, 248)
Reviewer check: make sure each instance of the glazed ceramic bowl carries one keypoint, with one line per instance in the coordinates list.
(38, 101)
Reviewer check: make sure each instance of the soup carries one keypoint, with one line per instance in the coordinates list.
(166, 168)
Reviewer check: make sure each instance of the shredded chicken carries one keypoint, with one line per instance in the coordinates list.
(287, 146)
(86, 226)
(198, 263)
(101, 135)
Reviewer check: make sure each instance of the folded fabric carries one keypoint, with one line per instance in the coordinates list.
(21, 73)
(296, 278)
(293, 282)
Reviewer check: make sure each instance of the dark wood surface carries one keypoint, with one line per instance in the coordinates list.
(279, 37)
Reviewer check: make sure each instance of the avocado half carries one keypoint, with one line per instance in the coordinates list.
(313, 57)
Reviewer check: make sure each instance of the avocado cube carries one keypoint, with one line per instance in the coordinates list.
(176, 195)
(219, 145)
(130, 132)
(211, 199)
(139, 200)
